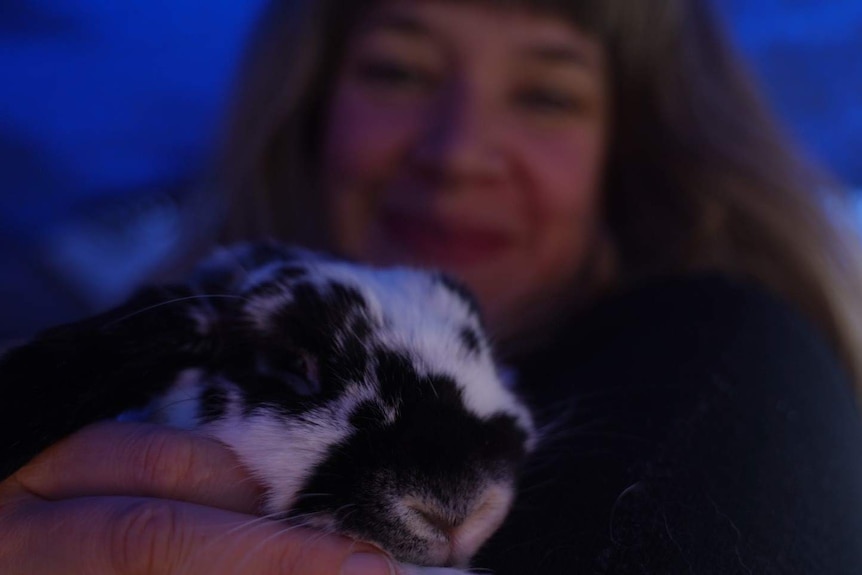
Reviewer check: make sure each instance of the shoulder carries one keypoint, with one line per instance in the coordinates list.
(702, 354)
(691, 324)
(696, 423)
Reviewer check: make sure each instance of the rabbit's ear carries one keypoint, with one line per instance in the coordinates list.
(463, 293)
(227, 268)
(301, 324)
(75, 374)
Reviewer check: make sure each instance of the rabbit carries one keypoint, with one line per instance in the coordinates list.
(366, 401)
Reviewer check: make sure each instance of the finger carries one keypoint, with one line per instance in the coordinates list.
(414, 570)
(120, 535)
(145, 460)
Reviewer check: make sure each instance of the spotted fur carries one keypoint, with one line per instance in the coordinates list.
(366, 401)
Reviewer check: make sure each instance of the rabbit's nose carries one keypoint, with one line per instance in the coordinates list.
(437, 517)
(454, 532)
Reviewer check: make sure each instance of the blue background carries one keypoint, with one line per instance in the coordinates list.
(106, 102)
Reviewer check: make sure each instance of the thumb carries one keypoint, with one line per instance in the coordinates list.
(120, 535)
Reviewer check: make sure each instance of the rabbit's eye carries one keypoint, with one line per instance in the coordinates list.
(305, 365)
(298, 368)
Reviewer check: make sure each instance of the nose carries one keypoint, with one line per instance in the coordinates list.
(438, 518)
(454, 531)
(460, 142)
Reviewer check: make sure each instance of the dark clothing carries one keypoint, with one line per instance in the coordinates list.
(697, 426)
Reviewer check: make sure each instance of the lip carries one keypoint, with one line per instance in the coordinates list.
(444, 243)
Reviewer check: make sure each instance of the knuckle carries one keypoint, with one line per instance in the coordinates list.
(166, 459)
(305, 552)
(144, 538)
(12, 540)
(290, 561)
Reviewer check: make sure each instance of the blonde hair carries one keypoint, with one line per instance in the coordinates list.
(698, 177)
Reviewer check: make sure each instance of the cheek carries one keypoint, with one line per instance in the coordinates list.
(363, 148)
(563, 208)
(559, 183)
(353, 132)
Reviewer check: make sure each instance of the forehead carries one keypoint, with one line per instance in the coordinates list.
(435, 324)
(426, 319)
(392, 293)
(400, 300)
(512, 26)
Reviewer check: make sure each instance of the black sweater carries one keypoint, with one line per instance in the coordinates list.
(695, 426)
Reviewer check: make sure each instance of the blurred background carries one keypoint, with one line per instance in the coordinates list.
(109, 110)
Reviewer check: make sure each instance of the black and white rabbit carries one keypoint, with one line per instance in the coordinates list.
(366, 401)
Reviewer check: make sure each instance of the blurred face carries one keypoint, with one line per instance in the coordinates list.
(469, 138)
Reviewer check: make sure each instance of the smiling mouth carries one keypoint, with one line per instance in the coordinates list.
(439, 243)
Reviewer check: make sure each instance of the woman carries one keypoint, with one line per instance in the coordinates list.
(697, 176)
(652, 258)
(646, 246)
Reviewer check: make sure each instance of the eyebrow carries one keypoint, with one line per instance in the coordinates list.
(547, 52)
(557, 54)
(398, 22)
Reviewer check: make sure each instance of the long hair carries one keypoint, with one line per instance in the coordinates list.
(699, 175)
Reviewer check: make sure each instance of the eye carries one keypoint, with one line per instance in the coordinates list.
(394, 74)
(549, 101)
(289, 365)
(299, 363)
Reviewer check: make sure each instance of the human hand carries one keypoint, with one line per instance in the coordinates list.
(119, 498)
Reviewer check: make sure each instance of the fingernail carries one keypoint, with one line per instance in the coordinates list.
(367, 564)
(414, 570)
